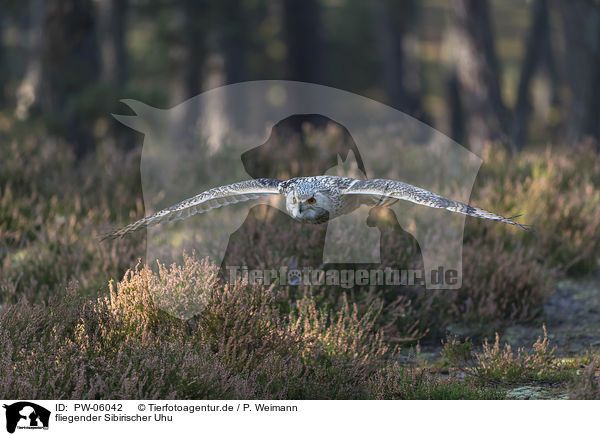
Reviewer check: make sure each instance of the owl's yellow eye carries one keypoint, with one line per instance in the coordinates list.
(294, 200)
(311, 200)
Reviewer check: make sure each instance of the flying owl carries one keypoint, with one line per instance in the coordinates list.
(312, 200)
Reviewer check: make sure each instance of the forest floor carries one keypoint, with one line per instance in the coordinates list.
(572, 319)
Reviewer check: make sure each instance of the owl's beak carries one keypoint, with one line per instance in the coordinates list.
(300, 208)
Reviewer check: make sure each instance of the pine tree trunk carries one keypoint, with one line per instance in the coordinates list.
(581, 70)
(302, 35)
(479, 75)
(536, 41)
(70, 64)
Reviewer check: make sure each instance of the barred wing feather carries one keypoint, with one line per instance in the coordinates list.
(383, 189)
(203, 202)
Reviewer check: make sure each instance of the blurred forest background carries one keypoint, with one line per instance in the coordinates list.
(516, 72)
(518, 82)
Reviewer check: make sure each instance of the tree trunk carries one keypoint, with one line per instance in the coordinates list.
(536, 43)
(70, 64)
(455, 107)
(29, 88)
(112, 19)
(478, 75)
(233, 23)
(3, 77)
(302, 35)
(581, 21)
(399, 70)
(194, 46)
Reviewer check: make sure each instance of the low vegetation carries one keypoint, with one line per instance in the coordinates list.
(123, 345)
(587, 385)
(78, 319)
(495, 363)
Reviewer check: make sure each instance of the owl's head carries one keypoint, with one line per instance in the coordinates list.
(308, 206)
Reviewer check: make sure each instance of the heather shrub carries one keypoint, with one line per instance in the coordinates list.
(51, 214)
(507, 272)
(500, 285)
(124, 346)
(78, 320)
(402, 383)
(557, 191)
(456, 353)
(496, 363)
(267, 241)
(118, 347)
(587, 385)
(74, 352)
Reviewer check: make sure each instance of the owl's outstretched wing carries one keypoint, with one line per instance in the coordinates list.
(203, 202)
(384, 190)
